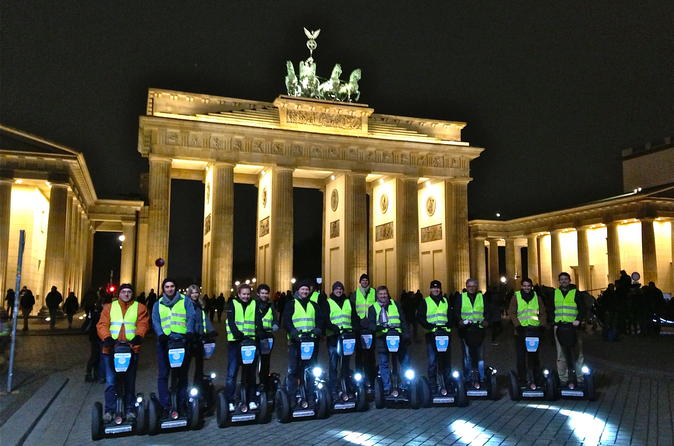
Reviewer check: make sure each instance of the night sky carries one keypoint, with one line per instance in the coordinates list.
(553, 91)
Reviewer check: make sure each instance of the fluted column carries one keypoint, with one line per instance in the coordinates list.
(456, 219)
(613, 251)
(648, 251)
(222, 228)
(479, 268)
(89, 234)
(407, 233)
(281, 227)
(555, 253)
(128, 248)
(159, 196)
(511, 267)
(583, 259)
(493, 262)
(532, 258)
(54, 262)
(5, 211)
(355, 219)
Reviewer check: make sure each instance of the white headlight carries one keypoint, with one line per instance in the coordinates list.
(357, 376)
(139, 399)
(455, 374)
(194, 391)
(546, 372)
(493, 371)
(317, 371)
(409, 374)
(320, 385)
(213, 375)
(585, 369)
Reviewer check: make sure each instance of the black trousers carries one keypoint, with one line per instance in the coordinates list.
(525, 358)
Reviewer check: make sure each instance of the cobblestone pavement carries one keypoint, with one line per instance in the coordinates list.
(635, 404)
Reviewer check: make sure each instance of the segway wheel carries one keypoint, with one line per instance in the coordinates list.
(425, 392)
(194, 414)
(415, 397)
(379, 393)
(322, 404)
(590, 392)
(141, 418)
(461, 398)
(153, 413)
(361, 397)
(551, 387)
(282, 406)
(97, 422)
(492, 390)
(514, 387)
(264, 415)
(221, 410)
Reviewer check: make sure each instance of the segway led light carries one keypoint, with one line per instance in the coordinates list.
(317, 372)
(585, 369)
(139, 399)
(194, 392)
(358, 377)
(546, 372)
(213, 375)
(455, 374)
(409, 374)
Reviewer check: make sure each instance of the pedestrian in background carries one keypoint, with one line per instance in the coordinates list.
(54, 299)
(70, 307)
(27, 301)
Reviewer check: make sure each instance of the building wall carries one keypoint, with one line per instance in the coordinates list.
(569, 244)
(432, 255)
(206, 243)
(630, 247)
(649, 170)
(263, 259)
(385, 265)
(334, 235)
(663, 250)
(596, 239)
(544, 255)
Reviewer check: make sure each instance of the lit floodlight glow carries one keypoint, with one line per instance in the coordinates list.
(586, 427)
(409, 374)
(317, 371)
(498, 215)
(358, 377)
(469, 433)
(357, 438)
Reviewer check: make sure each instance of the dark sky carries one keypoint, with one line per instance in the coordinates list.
(553, 91)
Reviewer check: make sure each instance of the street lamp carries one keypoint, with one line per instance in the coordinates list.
(253, 280)
(237, 283)
(293, 280)
(247, 281)
(503, 279)
(121, 238)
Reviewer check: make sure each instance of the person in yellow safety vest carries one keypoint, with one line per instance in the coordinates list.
(269, 326)
(123, 320)
(172, 319)
(470, 309)
(361, 300)
(340, 317)
(383, 315)
(435, 312)
(203, 333)
(527, 312)
(568, 305)
(300, 316)
(243, 322)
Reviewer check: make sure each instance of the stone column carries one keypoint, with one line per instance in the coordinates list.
(5, 212)
(281, 228)
(511, 266)
(532, 258)
(407, 233)
(54, 262)
(355, 226)
(648, 251)
(555, 253)
(222, 228)
(159, 196)
(613, 251)
(128, 250)
(583, 259)
(89, 234)
(456, 222)
(493, 263)
(479, 271)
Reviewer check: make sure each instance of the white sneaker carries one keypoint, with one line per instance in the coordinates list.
(231, 407)
(252, 405)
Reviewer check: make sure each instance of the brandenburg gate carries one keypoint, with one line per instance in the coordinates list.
(409, 174)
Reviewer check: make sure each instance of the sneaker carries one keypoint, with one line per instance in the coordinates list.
(107, 417)
(130, 416)
(252, 405)
(231, 407)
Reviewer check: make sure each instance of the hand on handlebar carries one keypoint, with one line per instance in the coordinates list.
(316, 332)
(576, 323)
(108, 342)
(137, 340)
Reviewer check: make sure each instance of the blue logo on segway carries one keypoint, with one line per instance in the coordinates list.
(366, 341)
(266, 346)
(306, 350)
(441, 343)
(348, 346)
(532, 343)
(248, 354)
(122, 361)
(393, 343)
(176, 357)
(209, 349)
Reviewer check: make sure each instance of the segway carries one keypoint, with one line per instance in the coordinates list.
(311, 398)
(404, 390)
(121, 358)
(269, 384)
(366, 345)
(475, 386)
(443, 391)
(532, 388)
(241, 410)
(352, 392)
(176, 418)
(205, 387)
(567, 336)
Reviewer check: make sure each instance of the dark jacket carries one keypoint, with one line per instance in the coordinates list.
(325, 310)
(262, 308)
(231, 321)
(423, 310)
(189, 312)
(578, 299)
(375, 328)
(27, 300)
(542, 313)
(54, 299)
(71, 306)
(457, 310)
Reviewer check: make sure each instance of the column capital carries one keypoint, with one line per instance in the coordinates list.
(646, 219)
(159, 158)
(222, 164)
(459, 180)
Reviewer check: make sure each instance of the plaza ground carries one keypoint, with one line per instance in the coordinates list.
(635, 403)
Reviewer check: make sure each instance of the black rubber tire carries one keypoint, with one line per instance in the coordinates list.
(460, 396)
(153, 414)
(264, 415)
(141, 418)
(492, 390)
(414, 394)
(514, 386)
(221, 410)
(379, 401)
(194, 414)
(282, 406)
(361, 398)
(588, 382)
(425, 394)
(323, 404)
(551, 392)
(97, 421)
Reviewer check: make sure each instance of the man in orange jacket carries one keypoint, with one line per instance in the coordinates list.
(123, 320)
